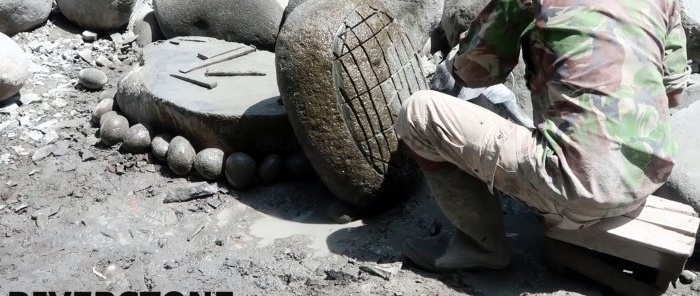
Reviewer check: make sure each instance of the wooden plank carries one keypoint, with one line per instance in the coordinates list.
(670, 220)
(669, 205)
(633, 240)
(586, 264)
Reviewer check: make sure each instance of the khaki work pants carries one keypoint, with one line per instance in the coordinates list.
(506, 156)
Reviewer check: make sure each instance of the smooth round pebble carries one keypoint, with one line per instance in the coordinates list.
(209, 163)
(240, 170)
(271, 169)
(113, 129)
(297, 166)
(159, 146)
(101, 108)
(92, 78)
(138, 139)
(180, 156)
(107, 115)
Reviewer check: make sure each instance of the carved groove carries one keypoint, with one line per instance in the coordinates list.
(375, 69)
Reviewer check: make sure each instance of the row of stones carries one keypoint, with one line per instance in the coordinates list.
(240, 169)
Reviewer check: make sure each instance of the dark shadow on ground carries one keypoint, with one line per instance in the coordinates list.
(420, 217)
(57, 18)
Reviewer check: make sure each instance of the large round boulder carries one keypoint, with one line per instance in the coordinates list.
(343, 88)
(14, 67)
(97, 15)
(418, 18)
(253, 22)
(19, 16)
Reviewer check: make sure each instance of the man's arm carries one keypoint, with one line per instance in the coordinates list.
(490, 50)
(676, 70)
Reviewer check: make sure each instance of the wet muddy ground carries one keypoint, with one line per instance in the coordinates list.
(90, 218)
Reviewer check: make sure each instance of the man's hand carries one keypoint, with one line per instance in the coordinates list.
(675, 98)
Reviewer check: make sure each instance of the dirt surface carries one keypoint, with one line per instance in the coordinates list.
(85, 217)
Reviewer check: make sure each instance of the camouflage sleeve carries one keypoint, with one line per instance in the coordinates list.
(676, 70)
(491, 48)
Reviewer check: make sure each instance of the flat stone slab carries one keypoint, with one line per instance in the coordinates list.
(242, 113)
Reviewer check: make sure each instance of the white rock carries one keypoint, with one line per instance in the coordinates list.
(14, 65)
(35, 135)
(89, 36)
(59, 103)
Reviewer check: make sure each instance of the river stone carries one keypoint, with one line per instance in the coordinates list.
(252, 22)
(271, 169)
(107, 115)
(242, 113)
(209, 163)
(691, 24)
(343, 95)
(180, 156)
(14, 65)
(97, 15)
(240, 170)
(138, 139)
(92, 78)
(684, 183)
(101, 108)
(159, 146)
(114, 129)
(144, 24)
(23, 15)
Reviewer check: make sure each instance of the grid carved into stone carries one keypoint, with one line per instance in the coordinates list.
(375, 69)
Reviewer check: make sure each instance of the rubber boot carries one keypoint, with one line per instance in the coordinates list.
(479, 241)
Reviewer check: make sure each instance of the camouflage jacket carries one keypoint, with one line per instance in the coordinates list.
(599, 72)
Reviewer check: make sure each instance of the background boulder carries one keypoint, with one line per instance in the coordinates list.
(144, 24)
(691, 24)
(97, 15)
(253, 22)
(23, 15)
